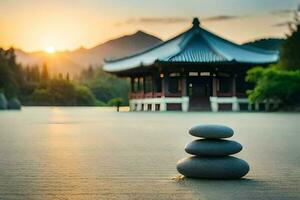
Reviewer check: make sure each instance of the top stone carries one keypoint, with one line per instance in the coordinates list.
(211, 131)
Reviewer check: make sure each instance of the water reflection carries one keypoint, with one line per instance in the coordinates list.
(95, 153)
(62, 172)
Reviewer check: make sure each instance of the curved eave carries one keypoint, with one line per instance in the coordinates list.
(195, 46)
(241, 54)
(143, 68)
(115, 68)
(220, 63)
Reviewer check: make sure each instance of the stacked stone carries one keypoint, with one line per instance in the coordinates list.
(3, 102)
(11, 104)
(211, 156)
(14, 104)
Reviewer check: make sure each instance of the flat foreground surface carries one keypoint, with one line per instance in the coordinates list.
(97, 153)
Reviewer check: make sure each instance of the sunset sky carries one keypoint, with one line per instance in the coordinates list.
(68, 24)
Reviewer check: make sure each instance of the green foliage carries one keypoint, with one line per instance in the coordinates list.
(84, 96)
(34, 86)
(10, 73)
(87, 74)
(60, 92)
(44, 74)
(93, 88)
(281, 82)
(274, 84)
(41, 97)
(106, 87)
(115, 102)
(290, 52)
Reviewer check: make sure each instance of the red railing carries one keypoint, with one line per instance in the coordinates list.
(230, 94)
(157, 94)
(148, 95)
(173, 95)
(141, 95)
(137, 95)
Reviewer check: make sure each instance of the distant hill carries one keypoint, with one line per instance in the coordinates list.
(74, 61)
(269, 43)
(116, 48)
(56, 63)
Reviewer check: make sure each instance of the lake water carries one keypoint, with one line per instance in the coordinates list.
(97, 153)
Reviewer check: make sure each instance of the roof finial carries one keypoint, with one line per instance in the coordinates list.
(196, 22)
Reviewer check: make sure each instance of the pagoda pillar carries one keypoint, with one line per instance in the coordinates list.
(234, 85)
(154, 84)
(164, 85)
(138, 84)
(144, 84)
(183, 85)
(132, 84)
(214, 86)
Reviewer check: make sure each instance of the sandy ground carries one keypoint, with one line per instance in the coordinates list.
(97, 153)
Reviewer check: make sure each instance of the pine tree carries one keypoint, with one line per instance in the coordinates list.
(45, 73)
(60, 76)
(290, 52)
(68, 76)
(35, 74)
(90, 72)
(27, 74)
(10, 73)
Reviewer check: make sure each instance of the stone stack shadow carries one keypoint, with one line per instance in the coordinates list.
(211, 155)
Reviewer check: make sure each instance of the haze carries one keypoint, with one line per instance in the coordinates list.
(68, 24)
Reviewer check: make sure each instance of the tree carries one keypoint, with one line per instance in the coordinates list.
(84, 96)
(275, 84)
(45, 73)
(105, 86)
(10, 73)
(290, 52)
(34, 74)
(60, 76)
(87, 74)
(62, 92)
(68, 76)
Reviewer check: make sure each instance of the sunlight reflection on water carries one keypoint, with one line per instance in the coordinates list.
(97, 153)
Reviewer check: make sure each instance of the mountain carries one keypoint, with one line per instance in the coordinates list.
(268, 43)
(57, 63)
(116, 48)
(74, 61)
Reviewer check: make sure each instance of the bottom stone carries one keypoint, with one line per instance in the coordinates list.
(14, 104)
(213, 168)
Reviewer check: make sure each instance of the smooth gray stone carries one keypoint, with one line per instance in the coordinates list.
(14, 104)
(211, 131)
(213, 147)
(3, 102)
(213, 168)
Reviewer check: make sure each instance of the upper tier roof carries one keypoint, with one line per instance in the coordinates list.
(196, 45)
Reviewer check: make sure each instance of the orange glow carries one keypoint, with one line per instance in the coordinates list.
(50, 49)
(38, 24)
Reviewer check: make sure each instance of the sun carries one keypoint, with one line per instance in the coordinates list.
(50, 49)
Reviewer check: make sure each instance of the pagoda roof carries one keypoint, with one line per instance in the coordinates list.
(197, 46)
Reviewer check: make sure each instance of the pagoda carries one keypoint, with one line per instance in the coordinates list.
(196, 70)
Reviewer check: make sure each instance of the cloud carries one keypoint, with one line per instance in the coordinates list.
(220, 18)
(156, 20)
(173, 20)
